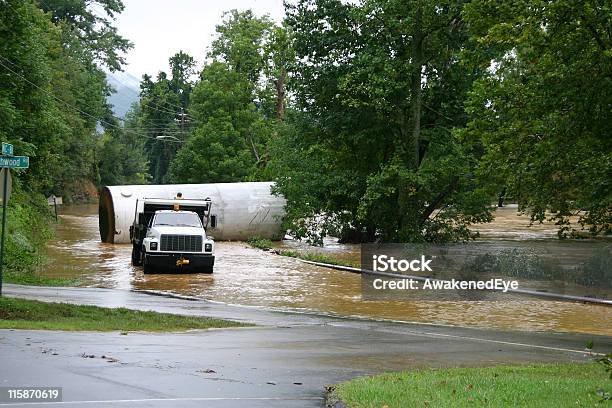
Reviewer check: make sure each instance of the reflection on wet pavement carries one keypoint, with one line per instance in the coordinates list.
(248, 276)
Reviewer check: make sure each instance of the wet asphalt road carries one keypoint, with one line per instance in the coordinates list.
(284, 362)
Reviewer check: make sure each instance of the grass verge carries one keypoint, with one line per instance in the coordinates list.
(542, 385)
(33, 279)
(260, 243)
(314, 257)
(31, 314)
(266, 245)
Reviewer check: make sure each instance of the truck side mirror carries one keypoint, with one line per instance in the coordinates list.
(213, 221)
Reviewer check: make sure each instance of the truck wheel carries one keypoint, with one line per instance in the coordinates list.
(146, 265)
(136, 256)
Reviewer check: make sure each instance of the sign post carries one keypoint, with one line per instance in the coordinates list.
(8, 162)
(55, 201)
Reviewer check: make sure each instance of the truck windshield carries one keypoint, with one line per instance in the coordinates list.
(177, 219)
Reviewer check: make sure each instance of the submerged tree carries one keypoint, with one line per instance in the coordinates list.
(382, 87)
(542, 111)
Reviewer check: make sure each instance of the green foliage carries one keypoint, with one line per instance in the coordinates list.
(230, 106)
(239, 43)
(91, 31)
(122, 158)
(161, 119)
(53, 93)
(27, 230)
(27, 220)
(380, 107)
(315, 257)
(543, 385)
(261, 243)
(541, 113)
(596, 271)
(35, 315)
(604, 361)
(224, 148)
(52, 97)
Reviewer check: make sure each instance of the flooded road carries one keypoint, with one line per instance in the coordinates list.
(251, 277)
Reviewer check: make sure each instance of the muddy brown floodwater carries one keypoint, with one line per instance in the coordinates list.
(251, 277)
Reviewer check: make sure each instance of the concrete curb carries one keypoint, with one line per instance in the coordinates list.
(331, 400)
(534, 293)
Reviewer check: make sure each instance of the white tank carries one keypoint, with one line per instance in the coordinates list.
(241, 210)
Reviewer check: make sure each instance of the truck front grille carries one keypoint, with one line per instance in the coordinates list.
(183, 243)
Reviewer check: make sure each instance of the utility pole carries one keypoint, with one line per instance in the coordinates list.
(183, 119)
(182, 123)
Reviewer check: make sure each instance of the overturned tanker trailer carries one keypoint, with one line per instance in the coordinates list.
(239, 210)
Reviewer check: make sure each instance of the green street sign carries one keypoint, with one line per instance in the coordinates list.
(15, 162)
(7, 149)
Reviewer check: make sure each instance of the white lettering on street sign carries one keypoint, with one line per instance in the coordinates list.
(7, 149)
(15, 162)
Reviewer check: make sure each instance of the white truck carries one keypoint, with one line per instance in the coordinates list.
(170, 236)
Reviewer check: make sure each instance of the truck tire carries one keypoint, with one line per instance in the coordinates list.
(207, 269)
(146, 265)
(136, 256)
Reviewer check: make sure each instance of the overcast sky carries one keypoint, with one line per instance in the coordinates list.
(160, 28)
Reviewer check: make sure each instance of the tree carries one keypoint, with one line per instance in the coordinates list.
(163, 118)
(541, 113)
(233, 106)
(240, 42)
(121, 155)
(53, 98)
(227, 144)
(182, 67)
(91, 31)
(279, 56)
(383, 87)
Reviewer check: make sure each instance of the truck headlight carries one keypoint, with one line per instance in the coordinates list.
(153, 246)
(207, 247)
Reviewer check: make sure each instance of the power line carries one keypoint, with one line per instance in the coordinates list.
(64, 102)
(48, 93)
(97, 119)
(140, 96)
(108, 124)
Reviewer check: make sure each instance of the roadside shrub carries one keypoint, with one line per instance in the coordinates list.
(261, 243)
(28, 221)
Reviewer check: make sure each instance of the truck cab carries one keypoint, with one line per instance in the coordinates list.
(170, 235)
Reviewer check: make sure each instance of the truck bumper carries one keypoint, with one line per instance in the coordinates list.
(170, 262)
